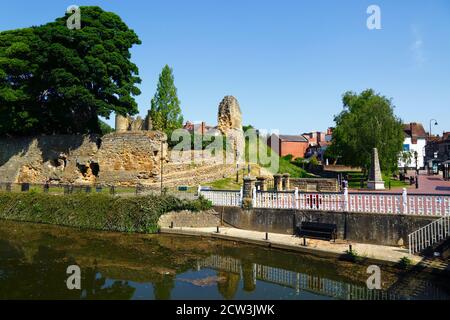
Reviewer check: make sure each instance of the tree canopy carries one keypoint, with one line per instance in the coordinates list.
(56, 80)
(165, 106)
(367, 121)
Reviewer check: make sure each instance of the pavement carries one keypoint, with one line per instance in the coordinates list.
(382, 254)
(433, 184)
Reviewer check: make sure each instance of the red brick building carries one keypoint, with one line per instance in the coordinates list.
(290, 145)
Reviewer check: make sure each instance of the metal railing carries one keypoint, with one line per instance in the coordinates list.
(115, 190)
(434, 205)
(226, 198)
(429, 235)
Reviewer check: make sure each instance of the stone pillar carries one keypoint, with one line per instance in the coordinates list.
(375, 179)
(121, 123)
(278, 182)
(262, 183)
(249, 184)
(148, 125)
(286, 182)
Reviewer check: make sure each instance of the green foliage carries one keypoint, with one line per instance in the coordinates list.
(313, 161)
(94, 211)
(289, 157)
(56, 80)
(353, 256)
(165, 107)
(105, 128)
(367, 122)
(404, 263)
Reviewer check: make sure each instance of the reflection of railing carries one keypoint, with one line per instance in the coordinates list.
(299, 281)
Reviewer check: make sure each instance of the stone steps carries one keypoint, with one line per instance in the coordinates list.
(194, 178)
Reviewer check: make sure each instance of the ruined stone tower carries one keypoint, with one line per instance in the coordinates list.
(121, 123)
(230, 124)
(230, 115)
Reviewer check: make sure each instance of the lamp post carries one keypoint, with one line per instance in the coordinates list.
(431, 123)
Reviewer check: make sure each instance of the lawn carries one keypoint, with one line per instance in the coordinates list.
(355, 181)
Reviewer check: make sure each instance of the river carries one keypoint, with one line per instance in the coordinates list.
(34, 260)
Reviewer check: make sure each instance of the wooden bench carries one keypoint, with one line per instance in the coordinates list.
(316, 230)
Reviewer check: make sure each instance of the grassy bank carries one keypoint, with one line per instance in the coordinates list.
(94, 211)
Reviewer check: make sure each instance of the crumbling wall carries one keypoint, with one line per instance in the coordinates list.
(124, 159)
(131, 158)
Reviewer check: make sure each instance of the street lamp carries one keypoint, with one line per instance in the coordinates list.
(431, 122)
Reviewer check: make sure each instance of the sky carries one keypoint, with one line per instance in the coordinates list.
(287, 62)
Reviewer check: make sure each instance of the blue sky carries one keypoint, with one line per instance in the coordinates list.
(287, 62)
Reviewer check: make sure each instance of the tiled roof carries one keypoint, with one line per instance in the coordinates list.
(289, 138)
(414, 131)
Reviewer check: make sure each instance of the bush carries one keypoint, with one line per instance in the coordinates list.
(404, 263)
(94, 211)
(352, 255)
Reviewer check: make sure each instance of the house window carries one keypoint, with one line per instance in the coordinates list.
(406, 147)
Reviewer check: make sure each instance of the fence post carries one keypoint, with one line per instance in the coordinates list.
(254, 197)
(199, 190)
(405, 201)
(346, 206)
(296, 198)
(241, 196)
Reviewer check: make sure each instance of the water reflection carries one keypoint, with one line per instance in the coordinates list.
(34, 260)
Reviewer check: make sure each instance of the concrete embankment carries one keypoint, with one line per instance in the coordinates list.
(368, 252)
(379, 229)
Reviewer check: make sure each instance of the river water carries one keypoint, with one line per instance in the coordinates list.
(34, 260)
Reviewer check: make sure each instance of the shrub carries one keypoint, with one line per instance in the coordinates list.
(404, 263)
(352, 255)
(94, 211)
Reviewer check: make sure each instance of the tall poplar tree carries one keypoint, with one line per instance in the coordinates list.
(165, 106)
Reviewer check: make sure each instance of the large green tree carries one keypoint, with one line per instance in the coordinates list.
(367, 121)
(165, 106)
(56, 80)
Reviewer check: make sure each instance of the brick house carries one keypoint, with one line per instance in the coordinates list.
(295, 145)
(438, 148)
(199, 128)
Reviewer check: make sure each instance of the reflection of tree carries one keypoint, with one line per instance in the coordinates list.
(229, 286)
(249, 276)
(93, 287)
(45, 277)
(162, 289)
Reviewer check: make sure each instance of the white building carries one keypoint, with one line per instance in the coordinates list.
(415, 141)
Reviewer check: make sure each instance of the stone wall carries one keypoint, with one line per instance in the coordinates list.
(383, 229)
(125, 159)
(313, 185)
(131, 158)
(44, 158)
(189, 219)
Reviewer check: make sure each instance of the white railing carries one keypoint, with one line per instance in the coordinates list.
(224, 198)
(378, 203)
(429, 235)
(274, 200)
